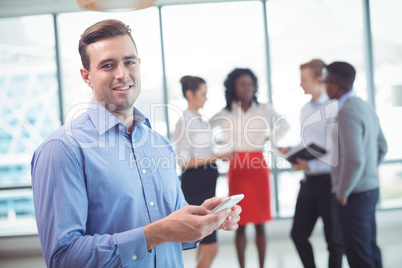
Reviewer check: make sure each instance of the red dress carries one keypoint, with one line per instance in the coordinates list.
(249, 175)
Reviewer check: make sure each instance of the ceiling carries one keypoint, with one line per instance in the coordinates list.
(13, 8)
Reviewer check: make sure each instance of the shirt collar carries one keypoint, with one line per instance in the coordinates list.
(140, 118)
(104, 120)
(236, 106)
(322, 99)
(350, 94)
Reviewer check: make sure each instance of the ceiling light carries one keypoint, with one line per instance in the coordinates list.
(115, 5)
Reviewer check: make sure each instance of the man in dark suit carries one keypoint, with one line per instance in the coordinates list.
(355, 181)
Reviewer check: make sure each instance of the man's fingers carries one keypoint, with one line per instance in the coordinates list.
(196, 210)
(212, 202)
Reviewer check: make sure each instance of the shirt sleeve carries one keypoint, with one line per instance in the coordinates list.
(183, 148)
(61, 208)
(222, 127)
(351, 150)
(382, 146)
(280, 125)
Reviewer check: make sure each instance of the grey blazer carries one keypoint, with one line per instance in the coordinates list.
(361, 147)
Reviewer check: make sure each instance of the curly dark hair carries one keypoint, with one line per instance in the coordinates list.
(230, 81)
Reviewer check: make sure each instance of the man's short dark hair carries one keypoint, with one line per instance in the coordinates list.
(98, 31)
(344, 72)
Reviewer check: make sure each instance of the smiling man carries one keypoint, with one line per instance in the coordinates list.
(100, 198)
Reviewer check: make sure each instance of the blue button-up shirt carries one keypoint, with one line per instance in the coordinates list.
(350, 94)
(96, 186)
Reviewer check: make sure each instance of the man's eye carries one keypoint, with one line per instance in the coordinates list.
(107, 65)
(130, 62)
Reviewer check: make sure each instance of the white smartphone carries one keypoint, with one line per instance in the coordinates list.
(228, 203)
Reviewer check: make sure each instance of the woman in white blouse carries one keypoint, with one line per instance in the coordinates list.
(196, 158)
(245, 126)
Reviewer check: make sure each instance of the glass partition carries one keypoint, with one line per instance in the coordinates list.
(29, 112)
(387, 52)
(300, 31)
(210, 40)
(207, 40)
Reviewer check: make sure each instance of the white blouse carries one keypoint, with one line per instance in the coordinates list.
(192, 137)
(247, 131)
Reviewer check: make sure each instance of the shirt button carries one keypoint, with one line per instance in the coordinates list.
(120, 127)
(152, 204)
(134, 257)
(144, 171)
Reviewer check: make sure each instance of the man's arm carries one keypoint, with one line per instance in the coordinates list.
(351, 150)
(61, 208)
(382, 146)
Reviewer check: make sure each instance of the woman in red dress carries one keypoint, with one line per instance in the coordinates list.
(245, 126)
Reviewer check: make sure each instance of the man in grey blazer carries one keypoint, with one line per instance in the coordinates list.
(355, 181)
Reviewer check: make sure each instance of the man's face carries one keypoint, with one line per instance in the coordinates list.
(308, 82)
(332, 86)
(114, 74)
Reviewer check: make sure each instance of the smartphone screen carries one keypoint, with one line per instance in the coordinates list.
(228, 203)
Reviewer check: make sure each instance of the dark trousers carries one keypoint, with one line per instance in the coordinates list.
(359, 229)
(314, 200)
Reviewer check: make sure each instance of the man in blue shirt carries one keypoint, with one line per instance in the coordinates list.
(105, 187)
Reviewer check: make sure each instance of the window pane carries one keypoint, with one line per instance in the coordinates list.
(145, 31)
(288, 189)
(302, 30)
(391, 185)
(387, 44)
(29, 112)
(210, 40)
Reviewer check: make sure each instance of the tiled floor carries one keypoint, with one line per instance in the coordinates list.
(282, 254)
(280, 251)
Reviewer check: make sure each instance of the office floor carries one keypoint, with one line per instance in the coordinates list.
(280, 252)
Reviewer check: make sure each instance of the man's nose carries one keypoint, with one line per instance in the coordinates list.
(121, 71)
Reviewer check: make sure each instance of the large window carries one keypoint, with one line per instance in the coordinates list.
(387, 46)
(207, 40)
(300, 31)
(29, 112)
(210, 40)
(145, 30)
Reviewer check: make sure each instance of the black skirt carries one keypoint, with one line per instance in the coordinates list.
(199, 184)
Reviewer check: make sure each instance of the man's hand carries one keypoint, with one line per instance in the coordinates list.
(283, 150)
(231, 220)
(300, 164)
(226, 156)
(191, 223)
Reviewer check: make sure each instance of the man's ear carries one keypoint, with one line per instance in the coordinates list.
(86, 77)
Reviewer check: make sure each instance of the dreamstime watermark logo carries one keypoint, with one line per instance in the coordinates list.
(222, 129)
(226, 131)
(326, 118)
(221, 133)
